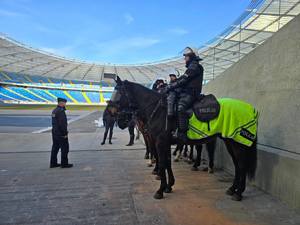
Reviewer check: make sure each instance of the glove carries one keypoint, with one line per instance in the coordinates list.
(166, 90)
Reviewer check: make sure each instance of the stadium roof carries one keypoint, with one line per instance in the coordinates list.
(260, 20)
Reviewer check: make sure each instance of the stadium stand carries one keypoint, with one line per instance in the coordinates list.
(29, 89)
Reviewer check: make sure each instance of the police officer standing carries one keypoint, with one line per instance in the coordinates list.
(109, 119)
(60, 135)
(191, 86)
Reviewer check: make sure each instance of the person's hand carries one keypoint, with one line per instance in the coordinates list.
(166, 90)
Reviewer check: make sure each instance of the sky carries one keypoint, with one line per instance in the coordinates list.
(117, 31)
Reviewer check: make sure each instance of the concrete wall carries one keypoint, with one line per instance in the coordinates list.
(269, 78)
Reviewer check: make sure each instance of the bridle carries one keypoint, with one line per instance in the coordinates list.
(132, 109)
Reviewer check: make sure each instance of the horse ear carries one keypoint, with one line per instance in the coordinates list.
(118, 80)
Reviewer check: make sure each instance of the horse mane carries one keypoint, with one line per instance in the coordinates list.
(140, 89)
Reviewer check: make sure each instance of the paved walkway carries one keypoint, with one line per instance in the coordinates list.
(111, 184)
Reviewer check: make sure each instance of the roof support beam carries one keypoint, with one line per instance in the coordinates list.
(37, 65)
(71, 70)
(22, 60)
(54, 68)
(15, 53)
(89, 69)
(130, 74)
(142, 72)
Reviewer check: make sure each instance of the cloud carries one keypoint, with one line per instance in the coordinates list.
(8, 13)
(128, 18)
(178, 31)
(63, 51)
(115, 46)
(44, 29)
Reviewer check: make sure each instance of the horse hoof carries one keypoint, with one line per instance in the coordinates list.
(158, 195)
(194, 168)
(176, 160)
(168, 190)
(154, 172)
(149, 165)
(210, 170)
(204, 169)
(236, 197)
(229, 192)
(157, 177)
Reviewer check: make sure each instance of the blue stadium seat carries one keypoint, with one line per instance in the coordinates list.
(107, 95)
(13, 95)
(93, 96)
(78, 96)
(25, 93)
(4, 97)
(42, 93)
(59, 94)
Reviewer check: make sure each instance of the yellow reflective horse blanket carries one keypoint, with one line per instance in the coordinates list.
(237, 120)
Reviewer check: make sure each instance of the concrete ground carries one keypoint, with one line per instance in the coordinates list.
(111, 184)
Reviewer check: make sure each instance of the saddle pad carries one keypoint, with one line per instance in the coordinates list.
(237, 120)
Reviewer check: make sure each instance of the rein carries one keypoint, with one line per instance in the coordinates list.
(158, 104)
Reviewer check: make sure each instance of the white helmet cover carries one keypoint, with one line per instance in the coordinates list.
(190, 50)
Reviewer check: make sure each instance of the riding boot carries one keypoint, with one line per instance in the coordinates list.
(170, 109)
(182, 127)
(131, 141)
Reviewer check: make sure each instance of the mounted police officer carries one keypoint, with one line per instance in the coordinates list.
(172, 95)
(60, 135)
(159, 85)
(191, 86)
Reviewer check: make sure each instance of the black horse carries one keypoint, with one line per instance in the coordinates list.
(149, 107)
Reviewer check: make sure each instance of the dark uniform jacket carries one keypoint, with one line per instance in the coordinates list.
(59, 122)
(108, 117)
(191, 80)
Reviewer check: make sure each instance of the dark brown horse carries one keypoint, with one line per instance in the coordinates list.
(149, 107)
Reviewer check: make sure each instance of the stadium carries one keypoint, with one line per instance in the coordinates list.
(254, 59)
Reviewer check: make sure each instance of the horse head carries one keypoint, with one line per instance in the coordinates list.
(120, 101)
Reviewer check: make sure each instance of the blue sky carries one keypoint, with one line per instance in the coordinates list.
(117, 31)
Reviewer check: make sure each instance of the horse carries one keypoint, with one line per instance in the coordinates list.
(149, 107)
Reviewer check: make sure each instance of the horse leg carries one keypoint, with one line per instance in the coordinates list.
(240, 153)
(232, 190)
(171, 178)
(179, 151)
(210, 147)
(191, 156)
(155, 155)
(198, 158)
(185, 151)
(149, 154)
(162, 156)
(147, 149)
(176, 150)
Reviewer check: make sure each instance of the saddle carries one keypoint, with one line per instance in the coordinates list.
(206, 108)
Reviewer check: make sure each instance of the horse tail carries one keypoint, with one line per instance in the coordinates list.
(252, 160)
